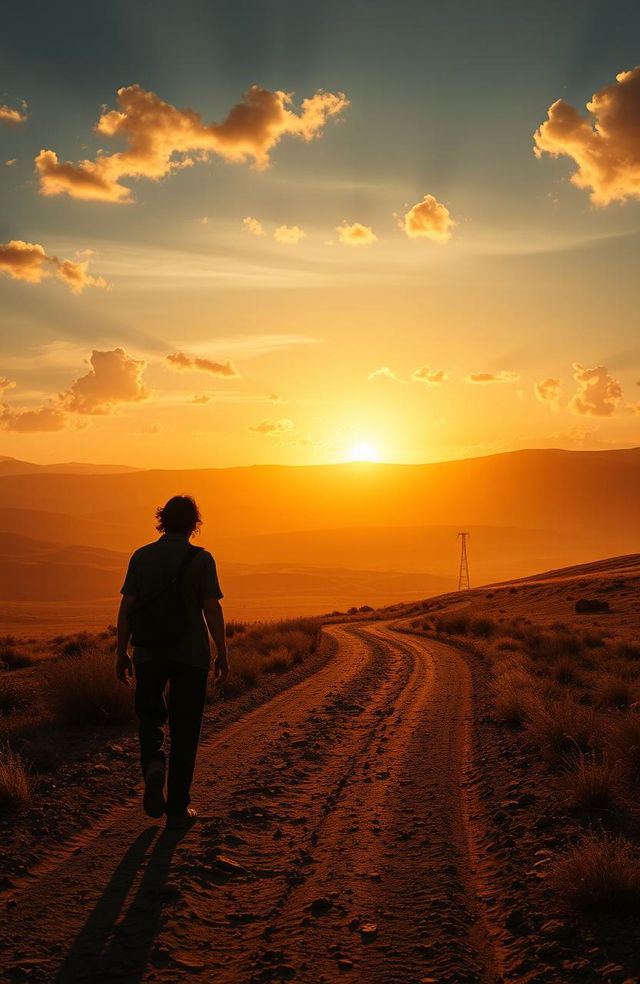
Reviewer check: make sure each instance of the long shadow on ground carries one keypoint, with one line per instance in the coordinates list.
(109, 945)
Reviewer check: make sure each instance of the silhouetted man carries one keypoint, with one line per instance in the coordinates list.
(170, 597)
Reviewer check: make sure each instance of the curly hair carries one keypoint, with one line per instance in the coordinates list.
(179, 515)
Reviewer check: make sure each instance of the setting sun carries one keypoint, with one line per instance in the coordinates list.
(364, 451)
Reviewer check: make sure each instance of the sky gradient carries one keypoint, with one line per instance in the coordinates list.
(412, 277)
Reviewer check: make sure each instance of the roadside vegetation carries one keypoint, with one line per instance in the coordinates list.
(571, 694)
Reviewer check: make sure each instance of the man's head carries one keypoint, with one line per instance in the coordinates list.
(179, 515)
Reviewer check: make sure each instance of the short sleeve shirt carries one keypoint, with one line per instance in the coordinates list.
(153, 566)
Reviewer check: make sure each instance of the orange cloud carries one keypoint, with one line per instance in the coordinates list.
(13, 117)
(160, 139)
(432, 377)
(384, 372)
(114, 378)
(289, 235)
(355, 234)
(201, 398)
(272, 427)
(548, 392)
(46, 418)
(254, 226)
(6, 383)
(606, 148)
(504, 376)
(185, 363)
(598, 394)
(11, 162)
(428, 219)
(29, 262)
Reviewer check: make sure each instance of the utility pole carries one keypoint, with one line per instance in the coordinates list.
(463, 575)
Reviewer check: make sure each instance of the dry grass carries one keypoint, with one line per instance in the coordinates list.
(601, 872)
(83, 690)
(562, 728)
(266, 648)
(591, 784)
(15, 786)
(513, 697)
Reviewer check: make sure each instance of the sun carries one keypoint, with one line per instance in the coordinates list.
(364, 451)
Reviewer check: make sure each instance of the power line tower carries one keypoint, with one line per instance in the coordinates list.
(463, 575)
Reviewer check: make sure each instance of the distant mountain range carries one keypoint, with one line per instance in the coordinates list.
(14, 466)
(343, 535)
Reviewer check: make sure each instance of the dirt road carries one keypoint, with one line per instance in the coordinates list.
(334, 843)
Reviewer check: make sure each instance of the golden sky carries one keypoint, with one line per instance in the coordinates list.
(253, 237)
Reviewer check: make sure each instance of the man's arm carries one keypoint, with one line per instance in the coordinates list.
(124, 668)
(214, 618)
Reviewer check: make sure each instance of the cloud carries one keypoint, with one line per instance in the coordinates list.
(272, 427)
(254, 226)
(114, 378)
(605, 148)
(185, 363)
(13, 117)
(11, 162)
(428, 219)
(29, 262)
(384, 372)
(548, 392)
(432, 377)
(276, 398)
(6, 383)
(598, 394)
(504, 376)
(290, 235)
(46, 418)
(201, 398)
(355, 234)
(160, 139)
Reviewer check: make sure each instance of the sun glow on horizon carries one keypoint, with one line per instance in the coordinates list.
(364, 451)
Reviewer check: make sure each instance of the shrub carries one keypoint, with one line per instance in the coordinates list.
(84, 691)
(15, 788)
(452, 624)
(591, 784)
(627, 650)
(11, 699)
(613, 691)
(277, 661)
(601, 872)
(13, 659)
(513, 698)
(561, 729)
(233, 628)
(590, 606)
(624, 745)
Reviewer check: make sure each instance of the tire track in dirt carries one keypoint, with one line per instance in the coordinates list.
(334, 843)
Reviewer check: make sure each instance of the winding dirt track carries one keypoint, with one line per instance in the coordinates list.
(334, 843)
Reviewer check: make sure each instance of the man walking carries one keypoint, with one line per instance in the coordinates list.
(170, 597)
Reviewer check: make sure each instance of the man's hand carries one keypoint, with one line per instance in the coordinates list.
(220, 668)
(124, 668)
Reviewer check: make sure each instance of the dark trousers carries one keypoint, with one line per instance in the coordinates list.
(183, 708)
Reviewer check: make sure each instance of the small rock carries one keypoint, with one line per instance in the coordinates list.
(320, 905)
(369, 931)
(228, 865)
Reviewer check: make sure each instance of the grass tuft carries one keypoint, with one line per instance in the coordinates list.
(83, 690)
(601, 872)
(15, 786)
